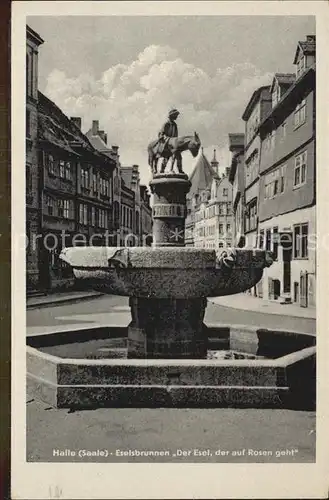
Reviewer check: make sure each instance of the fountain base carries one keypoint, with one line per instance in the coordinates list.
(167, 328)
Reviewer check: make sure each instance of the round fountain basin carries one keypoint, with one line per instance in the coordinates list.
(165, 272)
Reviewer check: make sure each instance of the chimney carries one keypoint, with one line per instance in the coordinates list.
(115, 149)
(215, 163)
(105, 138)
(95, 127)
(310, 38)
(77, 121)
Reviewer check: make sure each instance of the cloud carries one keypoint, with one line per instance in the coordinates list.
(132, 100)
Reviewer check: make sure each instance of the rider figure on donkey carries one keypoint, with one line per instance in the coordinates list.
(168, 130)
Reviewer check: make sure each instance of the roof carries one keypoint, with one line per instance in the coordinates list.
(253, 101)
(31, 34)
(284, 79)
(307, 47)
(290, 98)
(202, 176)
(55, 127)
(97, 142)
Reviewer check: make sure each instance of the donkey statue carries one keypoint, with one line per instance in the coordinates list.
(173, 149)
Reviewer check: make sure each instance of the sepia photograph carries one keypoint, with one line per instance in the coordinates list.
(171, 239)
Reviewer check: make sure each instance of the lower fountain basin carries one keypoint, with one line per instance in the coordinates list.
(276, 370)
(167, 272)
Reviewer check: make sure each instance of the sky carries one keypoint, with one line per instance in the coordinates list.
(127, 72)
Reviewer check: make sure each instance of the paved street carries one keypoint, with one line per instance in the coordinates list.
(114, 309)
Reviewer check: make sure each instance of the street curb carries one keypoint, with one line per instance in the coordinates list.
(67, 300)
(260, 312)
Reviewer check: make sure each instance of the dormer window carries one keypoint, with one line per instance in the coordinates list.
(301, 66)
(276, 95)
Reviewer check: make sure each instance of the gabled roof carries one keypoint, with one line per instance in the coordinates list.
(283, 79)
(307, 47)
(253, 101)
(202, 176)
(99, 144)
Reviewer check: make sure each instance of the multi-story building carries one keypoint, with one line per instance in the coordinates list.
(145, 217)
(256, 109)
(33, 41)
(236, 178)
(75, 191)
(201, 179)
(287, 183)
(213, 215)
(98, 139)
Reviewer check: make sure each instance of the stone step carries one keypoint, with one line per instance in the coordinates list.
(84, 396)
(242, 373)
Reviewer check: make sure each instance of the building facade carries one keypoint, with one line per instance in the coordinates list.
(201, 180)
(236, 178)
(33, 42)
(213, 215)
(76, 192)
(287, 210)
(256, 110)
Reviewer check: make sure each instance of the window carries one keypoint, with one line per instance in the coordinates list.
(221, 228)
(102, 219)
(228, 228)
(275, 182)
(84, 177)
(64, 208)
(275, 242)
(225, 192)
(60, 208)
(268, 240)
(300, 114)
(50, 204)
(28, 123)
(95, 183)
(284, 129)
(62, 169)
(104, 187)
(229, 208)
(93, 216)
(68, 172)
(251, 216)
(301, 241)
(261, 239)
(300, 169)
(51, 165)
(300, 67)
(83, 214)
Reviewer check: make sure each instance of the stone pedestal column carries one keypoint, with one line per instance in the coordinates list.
(167, 328)
(169, 209)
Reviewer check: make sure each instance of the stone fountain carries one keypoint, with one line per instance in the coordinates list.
(165, 349)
